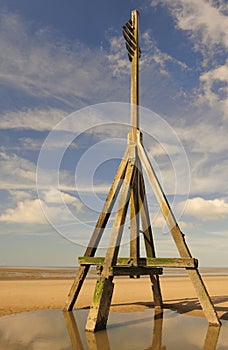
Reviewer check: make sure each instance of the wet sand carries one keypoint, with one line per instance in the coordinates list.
(30, 290)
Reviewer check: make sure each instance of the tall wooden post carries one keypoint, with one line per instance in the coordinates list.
(135, 72)
(129, 185)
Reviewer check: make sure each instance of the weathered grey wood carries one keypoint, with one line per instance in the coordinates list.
(151, 262)
(204, 297)
(73, 332)
(134, 224)
(156, 289)
(145, 218)
(134, 216)
(178, 237)
(148, 238)
(119, 220)
(135, 270)
(164, 205)
(76, 287)
(98, 315)
(98, 231)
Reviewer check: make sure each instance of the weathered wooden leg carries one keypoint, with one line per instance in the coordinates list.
(73, 331)
(134, 222)
(98, 231)
(99, 310)
(178, 237)
(148, 238)
(76, 287)
(156, 291)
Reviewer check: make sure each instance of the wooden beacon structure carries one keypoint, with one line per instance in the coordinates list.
(128, 185)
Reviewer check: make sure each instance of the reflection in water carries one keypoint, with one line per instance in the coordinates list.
(211, 339)
(95, 341)
(148, 330)
(100, 341)
(157, 331)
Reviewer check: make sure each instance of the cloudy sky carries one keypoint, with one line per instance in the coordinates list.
(62, 69)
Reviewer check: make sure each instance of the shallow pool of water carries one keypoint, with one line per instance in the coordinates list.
(57, 330)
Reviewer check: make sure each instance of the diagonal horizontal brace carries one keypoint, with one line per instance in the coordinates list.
(149, 262)
(135, 271)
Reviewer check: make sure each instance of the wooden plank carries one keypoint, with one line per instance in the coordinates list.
(150, 262)
(156, 289)
(204, 297)
(76, 287)
(145, 218)
(148, 238)
(178, 236)
(98, 314)
(119, 220)
(134, 214)
(172, 262)
(134, 271)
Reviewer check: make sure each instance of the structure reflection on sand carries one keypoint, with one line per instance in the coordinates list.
(54, 329)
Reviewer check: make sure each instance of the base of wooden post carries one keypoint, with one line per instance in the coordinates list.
(99, 311)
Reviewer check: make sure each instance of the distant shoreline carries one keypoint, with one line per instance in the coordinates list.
(39, 273)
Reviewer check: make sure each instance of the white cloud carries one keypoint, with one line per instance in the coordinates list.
(214, 87)
(205, 20)
(214, 209)
(206, 23)
(20, 195)
(19, 174)
(153, 55)
(16, 171)
(28, 211)
(206, 146)
(58, 197)
(37, 211)
(198, 136)
(38, 119)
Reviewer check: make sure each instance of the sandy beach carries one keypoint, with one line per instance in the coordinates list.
(30, 290)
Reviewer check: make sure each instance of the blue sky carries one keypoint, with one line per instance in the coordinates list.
(56, 60)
